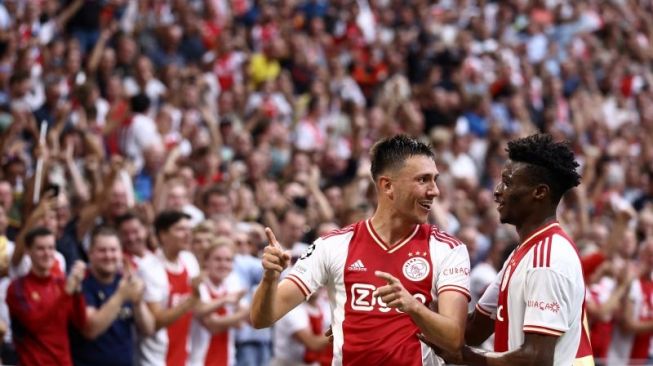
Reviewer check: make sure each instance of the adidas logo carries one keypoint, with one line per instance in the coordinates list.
(357, 266)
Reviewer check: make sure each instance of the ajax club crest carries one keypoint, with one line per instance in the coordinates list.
(416, 268)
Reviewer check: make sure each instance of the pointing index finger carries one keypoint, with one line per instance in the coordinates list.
(271, 238)
(386, 276)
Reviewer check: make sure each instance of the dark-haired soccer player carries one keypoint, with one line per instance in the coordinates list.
(535, 306)
(382, 273)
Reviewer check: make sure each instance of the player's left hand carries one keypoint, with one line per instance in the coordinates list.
(448, 357)
(394, 295)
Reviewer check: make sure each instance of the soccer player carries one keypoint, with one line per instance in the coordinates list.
(382, 273)
(535, 306)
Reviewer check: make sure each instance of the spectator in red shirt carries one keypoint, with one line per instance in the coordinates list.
(42, 305)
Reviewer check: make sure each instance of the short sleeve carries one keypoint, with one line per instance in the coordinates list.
(155, 280)
(205, 296)
(190, 262)
(453, 273)
(548, 304)
(89, 293)
(487, 304)
(311, 270)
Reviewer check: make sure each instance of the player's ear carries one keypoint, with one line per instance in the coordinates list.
(385, 185)
(541, 192)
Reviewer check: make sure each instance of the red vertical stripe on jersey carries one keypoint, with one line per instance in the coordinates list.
(642, 341)
(178, 331)
(218, 352)
(549, 243)
(542, 253)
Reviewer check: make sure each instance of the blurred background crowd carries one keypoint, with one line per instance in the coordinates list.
(245, 114)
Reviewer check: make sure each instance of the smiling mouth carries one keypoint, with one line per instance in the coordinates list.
(426, 205)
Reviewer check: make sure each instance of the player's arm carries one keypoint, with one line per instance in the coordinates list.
(537, 349)
(542, 327)
(272, 299)
(445, 329)
(480, 322)
(479, 328)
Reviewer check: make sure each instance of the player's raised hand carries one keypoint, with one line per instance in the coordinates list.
(275, 259)
(394, 295)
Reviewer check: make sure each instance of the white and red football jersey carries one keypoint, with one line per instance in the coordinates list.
(216, 349)
(540, 289)
(168, 284)
(629, 348)
(367, 332)
(601, 329)
(228, 69)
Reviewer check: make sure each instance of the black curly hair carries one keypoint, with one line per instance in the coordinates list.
(552, 163)
(391, 153)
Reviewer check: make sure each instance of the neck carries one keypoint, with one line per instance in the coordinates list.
(215, 281)
(391, 228)
(137, 252)
(529, 226)
(170, 255)
(103, 277)
(39, 272)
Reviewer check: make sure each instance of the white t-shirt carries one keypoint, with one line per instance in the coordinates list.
(540, 289)
(286, 348)
(139, 135)
(428, 262)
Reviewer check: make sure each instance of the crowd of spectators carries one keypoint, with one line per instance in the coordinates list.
(244, 114)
